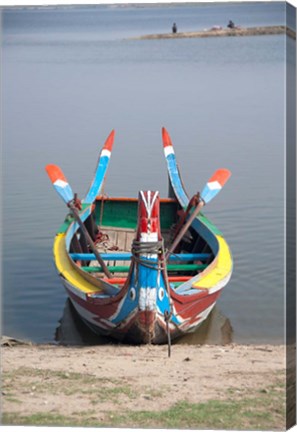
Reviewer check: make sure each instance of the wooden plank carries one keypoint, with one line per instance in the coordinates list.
(121, 241)
(186, 267)
(126, 256)
(112, 269)
(122, 280)
(129, 239)
(110, 242)
(123, 269)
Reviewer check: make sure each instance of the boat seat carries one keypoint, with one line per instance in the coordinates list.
(125, 269)
(126, 256)
(122, 280)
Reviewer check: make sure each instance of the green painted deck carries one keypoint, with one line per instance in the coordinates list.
(125, 269)
(123, 214)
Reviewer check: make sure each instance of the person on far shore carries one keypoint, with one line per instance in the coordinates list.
(174, 28)
(231, 24)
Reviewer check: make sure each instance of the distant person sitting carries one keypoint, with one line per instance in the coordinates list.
(174, 28)
(231, 24)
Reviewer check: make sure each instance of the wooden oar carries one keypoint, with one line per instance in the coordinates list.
(63, 188)
(102, 165)
(211, 189)
(173, 170)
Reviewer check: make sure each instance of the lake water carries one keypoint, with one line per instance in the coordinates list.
(70, 75)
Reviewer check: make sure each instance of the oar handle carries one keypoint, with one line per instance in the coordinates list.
(89, 240)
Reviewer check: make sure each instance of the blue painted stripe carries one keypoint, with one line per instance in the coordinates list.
(129, 305)
(98, 180)
(189, 256)
(105, 256)
(208, 194)
(65, 192)
(127, 257)
(176, 180)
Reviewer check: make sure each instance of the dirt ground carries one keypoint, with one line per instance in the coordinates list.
(68, 380)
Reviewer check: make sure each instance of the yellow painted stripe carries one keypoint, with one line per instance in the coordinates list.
(65, 267)
(222, 269)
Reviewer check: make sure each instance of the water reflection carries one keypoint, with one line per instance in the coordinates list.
(73, 331)
(216, 329)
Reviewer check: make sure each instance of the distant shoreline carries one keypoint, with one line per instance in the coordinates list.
(214, 32)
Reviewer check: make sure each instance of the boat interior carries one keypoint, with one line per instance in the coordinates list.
(112, 226)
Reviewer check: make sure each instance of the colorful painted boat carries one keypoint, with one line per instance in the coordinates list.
(146, 269)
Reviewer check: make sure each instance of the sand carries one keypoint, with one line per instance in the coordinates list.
(66, 380)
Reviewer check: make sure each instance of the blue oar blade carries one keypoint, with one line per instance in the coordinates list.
(102, 166)
(173, 171)
(60, 182)
(215, 184)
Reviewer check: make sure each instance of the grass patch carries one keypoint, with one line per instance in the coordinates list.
(261, 413)
(13, 400)
(38, 419)
(48, 374)
(38, 382)
(44, 381)
(113, 393)
(263, 409)
(245, 414)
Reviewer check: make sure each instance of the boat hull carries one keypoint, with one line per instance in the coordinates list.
(140, 327)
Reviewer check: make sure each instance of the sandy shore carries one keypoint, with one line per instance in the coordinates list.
(224, 32)
(101, 384)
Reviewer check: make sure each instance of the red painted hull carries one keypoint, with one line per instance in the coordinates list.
(143, 326)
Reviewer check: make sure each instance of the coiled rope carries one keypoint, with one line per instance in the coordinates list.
(140, 248)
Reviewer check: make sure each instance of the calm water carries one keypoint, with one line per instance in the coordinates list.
(70, 75)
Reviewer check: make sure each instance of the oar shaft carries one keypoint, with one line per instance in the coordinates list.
(90, 241)
(184, 229)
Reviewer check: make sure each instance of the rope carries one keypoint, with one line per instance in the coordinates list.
(139, 247)
(150, 248)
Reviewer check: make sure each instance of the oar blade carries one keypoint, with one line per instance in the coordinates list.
(101, 169)
(109, 141)
(173, 171)
(215, 184)
(60, 182)
(166, 139)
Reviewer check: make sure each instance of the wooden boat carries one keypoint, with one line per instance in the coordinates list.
(146, 269)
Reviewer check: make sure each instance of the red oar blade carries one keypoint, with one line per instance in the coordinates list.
(60, 182)
(166, 138)
(109, 141)
(215, 184)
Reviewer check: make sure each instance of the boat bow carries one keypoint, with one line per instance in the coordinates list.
(149, 268)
